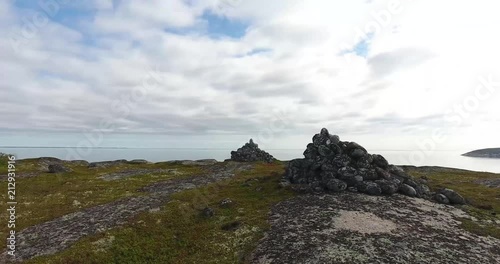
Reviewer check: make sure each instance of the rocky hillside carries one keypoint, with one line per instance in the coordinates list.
(484, 153)
(243, 212)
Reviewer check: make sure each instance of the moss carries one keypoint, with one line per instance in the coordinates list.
(48, 196)
(178, 233)
(482, 229)
(4, 159)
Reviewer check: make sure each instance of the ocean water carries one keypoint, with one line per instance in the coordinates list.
(451, 159)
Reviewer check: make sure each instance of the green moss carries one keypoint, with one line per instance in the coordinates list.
(178, 233)
(482, 229)
(48, 196)
(4, 158)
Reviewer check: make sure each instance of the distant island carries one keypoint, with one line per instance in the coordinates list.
(484, 153)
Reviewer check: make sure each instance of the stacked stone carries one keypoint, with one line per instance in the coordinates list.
(250, 152)
(335, 166)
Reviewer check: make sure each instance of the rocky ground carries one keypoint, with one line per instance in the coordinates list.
(58, 234)
(128, 212)
(355, 228)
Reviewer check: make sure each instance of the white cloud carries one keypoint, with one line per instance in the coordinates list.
(422, 62)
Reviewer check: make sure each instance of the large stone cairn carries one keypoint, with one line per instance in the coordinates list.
(334, 166)
(250, 152)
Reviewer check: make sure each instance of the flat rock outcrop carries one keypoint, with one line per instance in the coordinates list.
(350, 228)
(332, 165)
(251, 152)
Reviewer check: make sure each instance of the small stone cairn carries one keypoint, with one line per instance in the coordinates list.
(250, 152)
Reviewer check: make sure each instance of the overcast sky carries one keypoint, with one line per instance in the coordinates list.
(209, 73)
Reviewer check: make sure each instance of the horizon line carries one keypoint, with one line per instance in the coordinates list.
(60, 147)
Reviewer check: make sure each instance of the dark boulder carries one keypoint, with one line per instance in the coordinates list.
(383, 173)
(352, 189)
(358, 153)
(407, 190)
(369, 187)
(453, 196)
(380, 161)
(441, 198)
(336, 185)
(324, 151)
(388, 187)
(368, 174)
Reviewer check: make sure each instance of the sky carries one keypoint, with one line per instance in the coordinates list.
(214, 73)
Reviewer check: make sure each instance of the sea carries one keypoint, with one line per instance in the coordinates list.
(451, 159)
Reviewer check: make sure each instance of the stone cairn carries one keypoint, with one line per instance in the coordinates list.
(251, 152)
(334, 166)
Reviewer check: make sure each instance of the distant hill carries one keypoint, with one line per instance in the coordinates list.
(484, 153)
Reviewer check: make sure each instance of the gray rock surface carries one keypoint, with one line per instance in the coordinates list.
(350, 228)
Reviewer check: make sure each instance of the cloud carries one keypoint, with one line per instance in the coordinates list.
(386, 63)
(261, 58)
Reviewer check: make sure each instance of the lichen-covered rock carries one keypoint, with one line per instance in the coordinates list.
(334, 166)
(250, 152)
(351, 228)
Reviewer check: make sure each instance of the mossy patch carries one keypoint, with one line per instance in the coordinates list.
(48, 196)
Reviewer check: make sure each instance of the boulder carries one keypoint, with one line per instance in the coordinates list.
(370, 188)
(352, 189)
(441, 198)
(388, 187)
(453, 196)
(407, 190)
(380, 161)
(336, 185)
